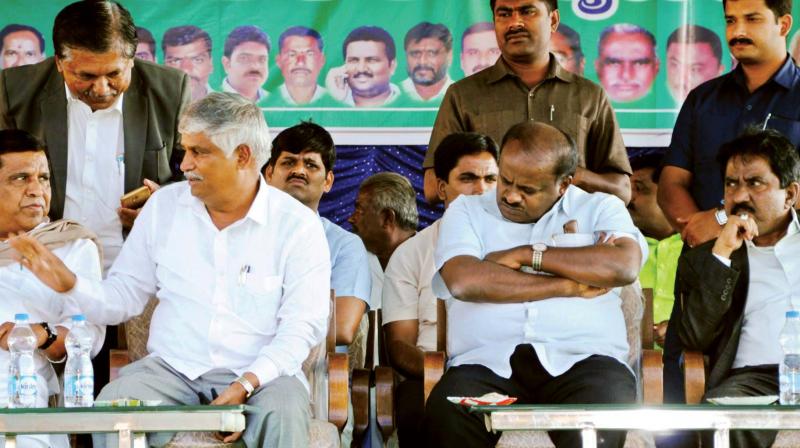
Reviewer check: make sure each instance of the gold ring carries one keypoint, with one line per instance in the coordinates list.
(743, 216)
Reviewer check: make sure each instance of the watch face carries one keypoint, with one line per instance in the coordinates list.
(722, 217)
(540, 247)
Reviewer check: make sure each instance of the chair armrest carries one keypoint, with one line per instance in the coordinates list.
(338, 375)
(117, 359)
(694, 376)
(652, 377)
(360, 399)
(433, 369)
(384, 402)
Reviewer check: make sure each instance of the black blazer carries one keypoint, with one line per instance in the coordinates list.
(33, 98)
(712, 297)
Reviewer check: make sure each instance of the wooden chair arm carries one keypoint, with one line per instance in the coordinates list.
(433, 369)
(338, 379)
(694, 376)
(648, 341)
(384, 402)
(117, 359)
(360, 400)
(652, 377)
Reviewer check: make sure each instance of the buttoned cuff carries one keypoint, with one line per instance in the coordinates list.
(723, 260)
(264, 369)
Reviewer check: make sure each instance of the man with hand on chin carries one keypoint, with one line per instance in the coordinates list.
(240, 269)
(735, 290)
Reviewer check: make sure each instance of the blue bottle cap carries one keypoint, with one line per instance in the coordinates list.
(79, 318)
(21, 316)
(792, 313)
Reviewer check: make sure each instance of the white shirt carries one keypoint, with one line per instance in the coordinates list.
(562, 330)
(376, 276)
(319, 92)
(407, 85)
(227, 87)
(96, 171)
(22, 292)
(774, 288)
(407, 293)
(251, 297)
(394, 93)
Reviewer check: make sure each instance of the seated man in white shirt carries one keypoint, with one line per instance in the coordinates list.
(737, 288)
(25, 193)
(535, 313)
(464, 163)
(242, 274)
(301, 164)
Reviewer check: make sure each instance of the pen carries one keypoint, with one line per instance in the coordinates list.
(552, 110)
(120, 164)
(243, 274)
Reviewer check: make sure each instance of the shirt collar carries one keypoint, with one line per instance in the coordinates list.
(784, 77)
(554, 70)
(227, 87)
(117, 106)
(257, 211)
(794, 226)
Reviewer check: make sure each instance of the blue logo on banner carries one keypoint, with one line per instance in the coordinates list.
(594, 9)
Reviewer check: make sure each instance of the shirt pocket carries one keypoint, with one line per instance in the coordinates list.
(258, 300)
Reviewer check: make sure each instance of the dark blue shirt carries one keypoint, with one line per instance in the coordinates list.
(718, 111)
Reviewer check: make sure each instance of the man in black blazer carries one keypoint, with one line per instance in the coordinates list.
(735, 290)
(95, 43)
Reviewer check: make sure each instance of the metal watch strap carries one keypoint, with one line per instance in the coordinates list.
(721, 217)
(248, 386)
(51, 336)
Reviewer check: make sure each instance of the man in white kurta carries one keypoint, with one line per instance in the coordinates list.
(25, 189)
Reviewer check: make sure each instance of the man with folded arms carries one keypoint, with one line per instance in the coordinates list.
(536, 312)
(25, 189)
(241, 271)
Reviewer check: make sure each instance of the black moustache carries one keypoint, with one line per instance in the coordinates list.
(738, 208)
(740, 40)
(254, 73)
(423, 67)
(511, 34)
(297, 177)
(360, 74)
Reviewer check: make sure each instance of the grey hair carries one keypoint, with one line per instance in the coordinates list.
(393, 192)
(229, 120)
(625, 28)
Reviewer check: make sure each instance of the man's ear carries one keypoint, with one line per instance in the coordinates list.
(441, 189)
(244, 155)
(792, 194)
(328, 182)
(388, 218)
(555, 19)
(786, 24)
(565, 182)
(268, 170)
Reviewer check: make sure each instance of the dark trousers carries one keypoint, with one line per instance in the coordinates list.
(409, 405)
(598, 379)
(746, 382)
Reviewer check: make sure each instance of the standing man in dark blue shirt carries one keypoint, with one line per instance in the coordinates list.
(764, 88)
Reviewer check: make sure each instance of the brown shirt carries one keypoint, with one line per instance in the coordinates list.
(493, 100)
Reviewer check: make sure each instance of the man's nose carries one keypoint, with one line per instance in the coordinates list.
(101, 87)
(187, 162)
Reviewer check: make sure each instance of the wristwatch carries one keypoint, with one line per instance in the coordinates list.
(248, 386)
(51, 336)
(536, 259)
(721, 216)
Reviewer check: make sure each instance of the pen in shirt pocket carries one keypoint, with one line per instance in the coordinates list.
(246, 269)
(120, 164)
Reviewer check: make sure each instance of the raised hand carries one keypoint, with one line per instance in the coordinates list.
(38, 259)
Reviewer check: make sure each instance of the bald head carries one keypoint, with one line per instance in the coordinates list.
(545, 142)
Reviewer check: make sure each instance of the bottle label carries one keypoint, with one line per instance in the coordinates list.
(26, 386)
(85, 386)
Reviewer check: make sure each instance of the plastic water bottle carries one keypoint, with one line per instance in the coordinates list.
(789, 370)
(22, 385)
(78, 373)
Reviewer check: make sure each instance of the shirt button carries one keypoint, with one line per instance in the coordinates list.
(749, 107)
(530, 94)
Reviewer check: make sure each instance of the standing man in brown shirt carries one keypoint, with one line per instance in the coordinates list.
(527, 83)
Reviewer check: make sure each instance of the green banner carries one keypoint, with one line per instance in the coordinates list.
(310, 73)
